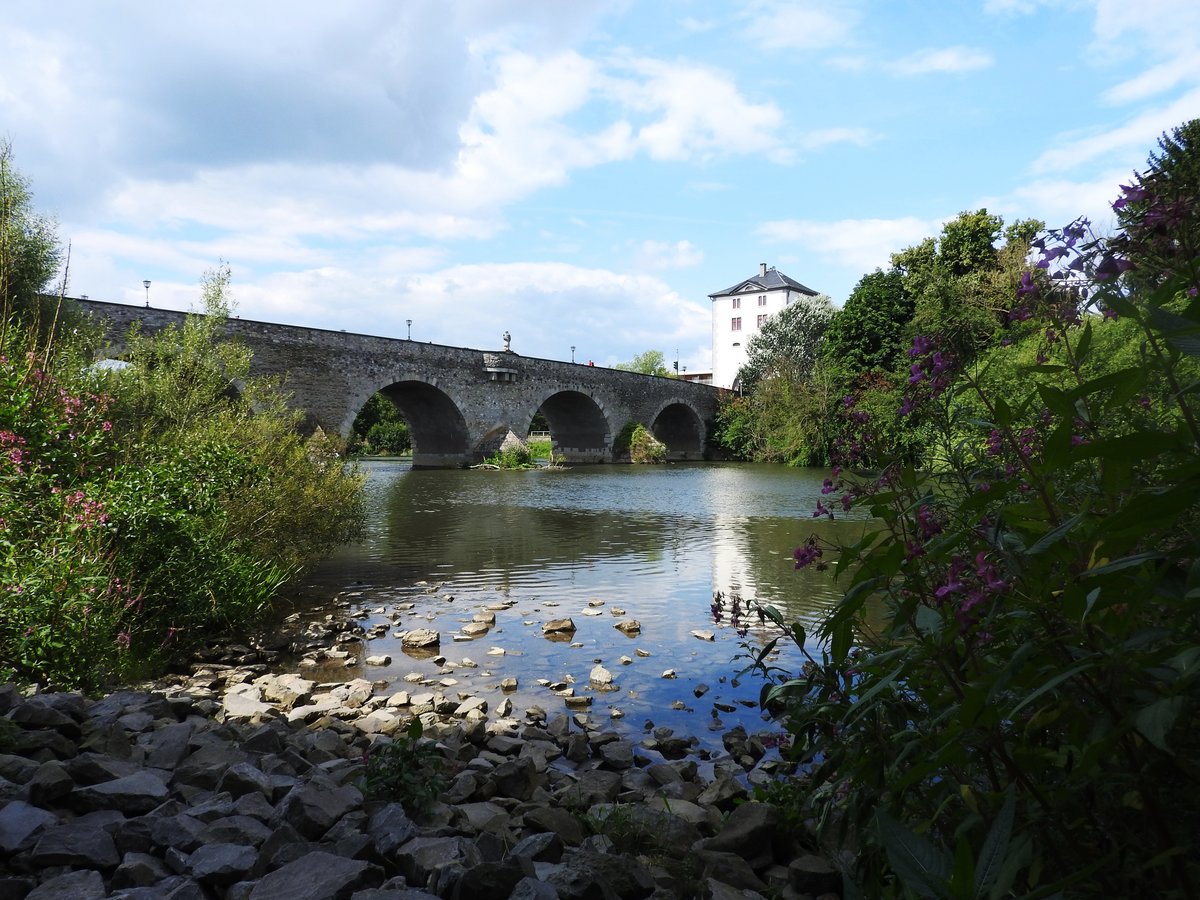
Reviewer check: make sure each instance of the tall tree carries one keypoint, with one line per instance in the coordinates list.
(29, 250)
(651, 362)
(869, 331)
(788, 343)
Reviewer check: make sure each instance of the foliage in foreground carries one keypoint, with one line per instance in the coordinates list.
(145, 508)
(406, 769)
(1026, 722)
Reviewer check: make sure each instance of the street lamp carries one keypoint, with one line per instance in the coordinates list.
(146, 285)
(408, 322)
(572, 353)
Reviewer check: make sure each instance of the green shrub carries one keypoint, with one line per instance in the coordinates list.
(644, 447)
(406, 769)
(1009, 699)
(143, 510)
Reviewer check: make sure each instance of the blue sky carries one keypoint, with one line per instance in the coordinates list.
(579, 173)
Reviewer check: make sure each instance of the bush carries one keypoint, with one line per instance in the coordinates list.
(644, 447)
(145, 509)
(1009, 702)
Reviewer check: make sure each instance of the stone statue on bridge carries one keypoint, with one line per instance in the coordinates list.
(507, 342)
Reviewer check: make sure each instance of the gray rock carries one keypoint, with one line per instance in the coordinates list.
(516, 778)
(421, 637)
(316, 876)
(312, 811)
(544, 847)
(244, 778)
(235, 830)
(221, 864)
(79, 846)
(814, 875)
(17, 769)
(83, 885)
(422, 857)
(556, 820)
(730, 869)
(492, 880)
(139, 870)
(133, 795)
(583, 875)
(559, 626)
(51, 782)
(617, 754)
(389, 827)
(747, 831)
(20, 823)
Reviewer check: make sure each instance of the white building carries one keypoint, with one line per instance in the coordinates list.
(739, 312)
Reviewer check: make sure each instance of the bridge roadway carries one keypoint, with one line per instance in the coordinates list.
(459, 403)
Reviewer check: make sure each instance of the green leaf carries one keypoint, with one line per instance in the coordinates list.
(1050, 538)
(1182, 334)
(1155, 721)
(921, 866)
(1140, 445)
(863, 700)
(1084, 346)
(995, 846)
(1050, 685)
(963, 877)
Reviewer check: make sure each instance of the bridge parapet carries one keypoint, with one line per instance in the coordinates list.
(459, 402)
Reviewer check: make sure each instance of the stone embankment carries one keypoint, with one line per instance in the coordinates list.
(239, 784)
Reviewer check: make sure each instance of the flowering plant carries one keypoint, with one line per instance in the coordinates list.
(1009, 701)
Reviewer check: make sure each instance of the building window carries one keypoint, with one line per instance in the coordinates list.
(762, 319)
(737, 302)
(762, 299)
(736, 324)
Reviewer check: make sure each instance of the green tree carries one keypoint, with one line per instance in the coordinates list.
(1159, 211)
(29, 250)
(379, 427)
(651, 362)
(789, 342)
(870, 330)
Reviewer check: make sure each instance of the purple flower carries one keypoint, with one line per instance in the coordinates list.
(921, 346)
(917, 373)
(1028, 285)
(828, 487)
(806, 555)
(907, 406)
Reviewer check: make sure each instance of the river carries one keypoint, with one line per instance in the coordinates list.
(596, 544)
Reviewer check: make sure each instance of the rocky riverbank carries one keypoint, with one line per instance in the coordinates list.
(233, 782)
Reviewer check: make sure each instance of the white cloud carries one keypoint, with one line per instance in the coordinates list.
(1156, 80)
(692, 25)
(825, 137)
(1130, 140)
(800, 24)
(860, 244)
(695, 112)
(657, 255)
(944, 59)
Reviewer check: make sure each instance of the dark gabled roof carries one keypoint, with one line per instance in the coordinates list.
(773, 280)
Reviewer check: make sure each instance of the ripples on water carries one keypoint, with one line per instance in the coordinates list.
(654, 541)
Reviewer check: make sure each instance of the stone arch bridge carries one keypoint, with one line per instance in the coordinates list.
(459, 403)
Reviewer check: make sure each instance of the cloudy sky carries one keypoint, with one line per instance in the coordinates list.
(579, 173)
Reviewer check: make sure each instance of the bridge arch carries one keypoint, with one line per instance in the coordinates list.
(439, 430)
(680, 428)
(579, 426)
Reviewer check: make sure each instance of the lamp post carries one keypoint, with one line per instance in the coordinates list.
(146, 285)
(408, 322)
(572, 353)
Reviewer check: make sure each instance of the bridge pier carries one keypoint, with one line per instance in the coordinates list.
(458, 402)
